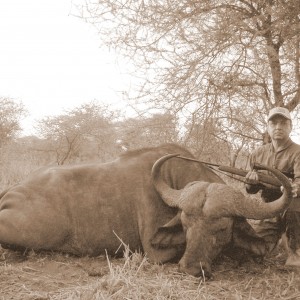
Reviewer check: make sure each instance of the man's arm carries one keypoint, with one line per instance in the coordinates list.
(296, 181)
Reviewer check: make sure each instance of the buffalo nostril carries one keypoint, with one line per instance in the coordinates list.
(196, 269)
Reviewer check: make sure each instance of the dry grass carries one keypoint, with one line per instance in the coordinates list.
(138, 279)
(56, 276)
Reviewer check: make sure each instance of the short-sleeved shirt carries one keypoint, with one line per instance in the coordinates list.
(287, 160)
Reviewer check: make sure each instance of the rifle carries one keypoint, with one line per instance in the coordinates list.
(262, 178)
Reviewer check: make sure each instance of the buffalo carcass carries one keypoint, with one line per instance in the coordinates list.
(213, 216)
(82, 209)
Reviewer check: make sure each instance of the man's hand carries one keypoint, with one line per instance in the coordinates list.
(251, 178)
(295, 190)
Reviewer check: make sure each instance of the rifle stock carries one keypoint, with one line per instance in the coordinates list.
(262, 178)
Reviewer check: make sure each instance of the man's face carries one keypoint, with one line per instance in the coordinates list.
(279, 128)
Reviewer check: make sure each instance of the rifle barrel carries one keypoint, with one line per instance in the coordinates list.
(199, 161)
(262, 178)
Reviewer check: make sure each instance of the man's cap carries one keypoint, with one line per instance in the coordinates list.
(279, 111)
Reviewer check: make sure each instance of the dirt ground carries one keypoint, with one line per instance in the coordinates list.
(41, 276)
(44, 275)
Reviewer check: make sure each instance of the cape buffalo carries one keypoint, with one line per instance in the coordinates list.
(210, 214)
(82, 209)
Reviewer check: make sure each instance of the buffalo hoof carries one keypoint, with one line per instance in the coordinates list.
(293, 260)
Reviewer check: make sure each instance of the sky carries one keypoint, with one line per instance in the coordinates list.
(51, 61)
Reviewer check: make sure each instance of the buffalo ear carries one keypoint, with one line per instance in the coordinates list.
(245, 237)
(169, 235)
